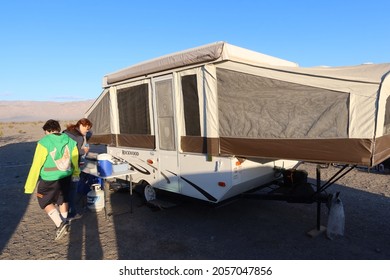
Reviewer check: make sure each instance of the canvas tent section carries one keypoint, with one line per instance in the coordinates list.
(233, 101)
(317, 114)
(101, 119)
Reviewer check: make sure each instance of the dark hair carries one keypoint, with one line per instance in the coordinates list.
(83, 121)
(52, 126)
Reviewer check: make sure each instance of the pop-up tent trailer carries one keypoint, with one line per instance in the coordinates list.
(213, 121)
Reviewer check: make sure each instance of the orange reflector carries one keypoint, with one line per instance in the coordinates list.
(221, 184)
(238, 163)
(149, 161)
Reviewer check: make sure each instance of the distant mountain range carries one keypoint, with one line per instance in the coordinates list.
(24, 111)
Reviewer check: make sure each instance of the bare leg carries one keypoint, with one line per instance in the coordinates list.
(49, 208)
(64, 207)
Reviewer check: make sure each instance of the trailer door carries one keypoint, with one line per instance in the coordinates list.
(166, 134)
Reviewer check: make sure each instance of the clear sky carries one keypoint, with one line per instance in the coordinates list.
(59, 50)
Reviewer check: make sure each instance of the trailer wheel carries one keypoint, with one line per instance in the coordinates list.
(149, 193)
(145, 191)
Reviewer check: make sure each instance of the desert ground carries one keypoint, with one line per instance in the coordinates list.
(242, 230)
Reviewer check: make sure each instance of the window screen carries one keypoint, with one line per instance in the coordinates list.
(257, 107)
(133, 107)
(100, 116)
(165, 115)
(191, 105)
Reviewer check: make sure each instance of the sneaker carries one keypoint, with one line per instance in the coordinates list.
(62, 230)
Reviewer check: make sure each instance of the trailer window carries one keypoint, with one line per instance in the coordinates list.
(133, 107)
(99, 116)
(101, 124)
(191, 105)
(259, 107)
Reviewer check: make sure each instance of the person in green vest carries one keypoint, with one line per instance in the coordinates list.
(54, 165)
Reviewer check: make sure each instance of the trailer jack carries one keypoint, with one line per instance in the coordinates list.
(303, 192)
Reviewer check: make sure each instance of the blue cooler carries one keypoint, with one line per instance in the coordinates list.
(104, 166)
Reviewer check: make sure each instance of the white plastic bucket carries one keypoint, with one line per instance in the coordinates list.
(95, 198)
(104, 166)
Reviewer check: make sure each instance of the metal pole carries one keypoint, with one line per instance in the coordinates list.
(318, 175)
(129, 178)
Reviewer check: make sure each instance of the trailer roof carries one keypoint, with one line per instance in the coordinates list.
(212, 52)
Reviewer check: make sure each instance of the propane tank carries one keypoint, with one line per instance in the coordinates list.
(95, 198)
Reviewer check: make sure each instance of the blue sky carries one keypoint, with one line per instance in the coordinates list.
(59, 50)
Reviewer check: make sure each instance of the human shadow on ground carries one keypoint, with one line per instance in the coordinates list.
(15, 162)
(84, 237)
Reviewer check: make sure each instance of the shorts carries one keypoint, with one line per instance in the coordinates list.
(53, 192)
